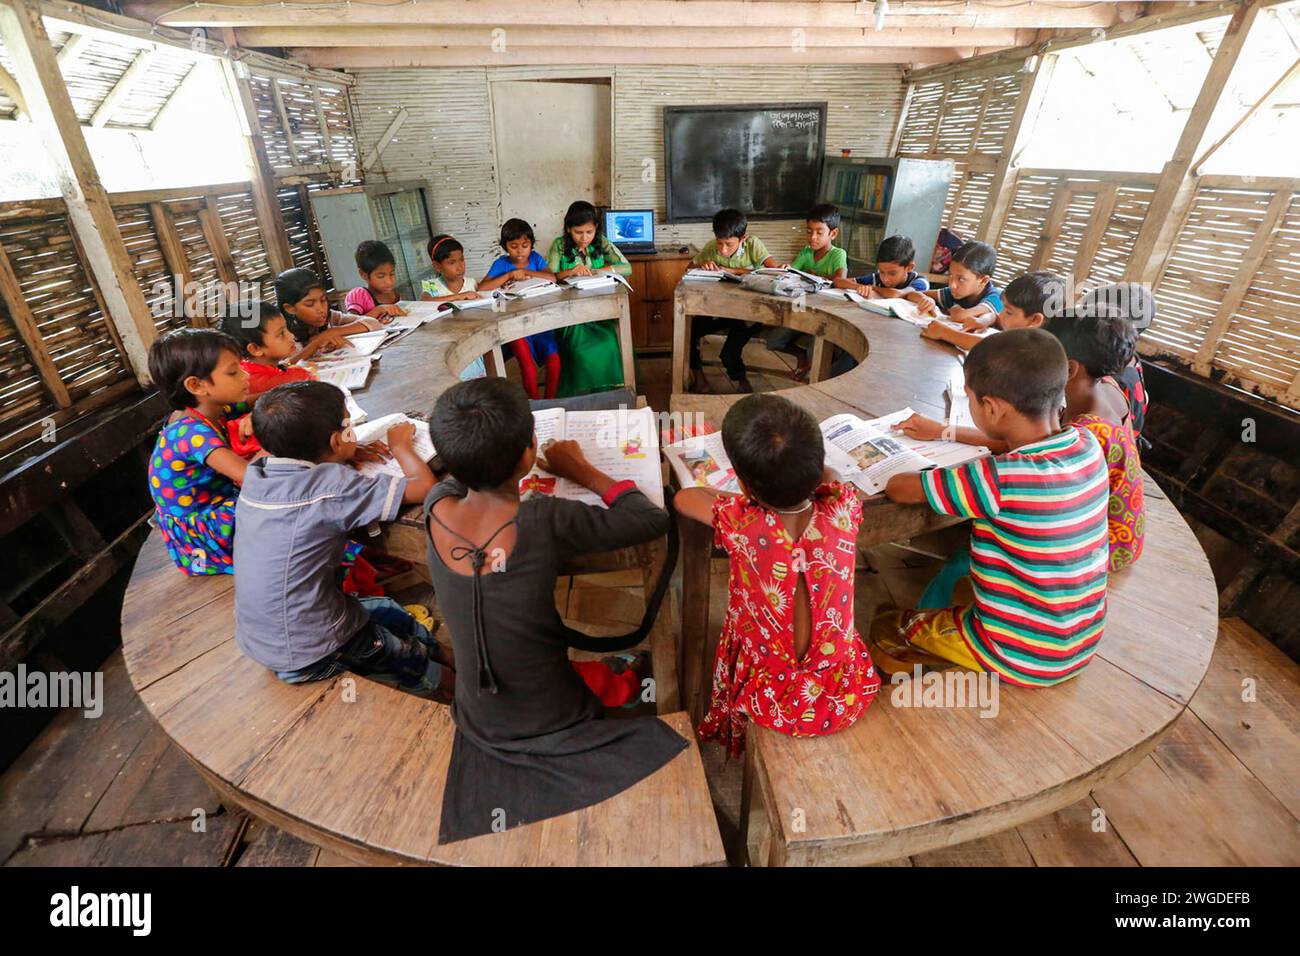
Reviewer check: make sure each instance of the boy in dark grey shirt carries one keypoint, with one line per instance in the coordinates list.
(292, 521)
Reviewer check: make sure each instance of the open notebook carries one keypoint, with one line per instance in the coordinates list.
(377, 430)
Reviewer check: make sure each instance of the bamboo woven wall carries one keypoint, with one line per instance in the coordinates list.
(966, 119)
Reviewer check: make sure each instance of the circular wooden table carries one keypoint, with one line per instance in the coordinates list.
(905, 778)
(355, 766)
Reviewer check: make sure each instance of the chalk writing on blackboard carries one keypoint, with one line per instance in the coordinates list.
(795, 119)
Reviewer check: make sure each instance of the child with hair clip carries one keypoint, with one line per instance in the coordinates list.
(308, 316)
(378, 298)
(266, 343)
(789, 657)
(194, 476)
(529, 740)
(450, 284)
(522, 261)
(592, 360)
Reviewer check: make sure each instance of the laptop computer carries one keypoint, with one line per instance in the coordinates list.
(632, 230)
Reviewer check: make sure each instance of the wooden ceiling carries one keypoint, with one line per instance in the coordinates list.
(465, 33)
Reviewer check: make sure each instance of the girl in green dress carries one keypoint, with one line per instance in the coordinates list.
(591, 360)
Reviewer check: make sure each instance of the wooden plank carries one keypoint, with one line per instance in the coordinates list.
(271, 846)
(1090, 243)
(284, 120)
(104, 111)
(169, 242)
(1056, 214)
(215, 232)
(626, 345)
(1177, 187)
(89, 212)
(156, 785)
(54, 785)
(266, 205)
(1250, 700)
(1024, 117)
(358, 58)
(1287, 74)
(1193, 803)
(1075, 836)
(654, 37)
(1241, 283)
(25, 325)
(647, 13)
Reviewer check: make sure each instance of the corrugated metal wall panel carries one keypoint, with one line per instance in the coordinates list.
(447, 138)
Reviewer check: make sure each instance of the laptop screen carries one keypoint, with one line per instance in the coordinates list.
(630, 226)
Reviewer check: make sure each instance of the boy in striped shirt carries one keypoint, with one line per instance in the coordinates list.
(1039, 547)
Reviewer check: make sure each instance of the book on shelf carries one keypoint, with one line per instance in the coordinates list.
(623, 443)
(377, 430)
(863, 452)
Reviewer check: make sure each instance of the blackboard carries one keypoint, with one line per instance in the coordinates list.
(762, 160)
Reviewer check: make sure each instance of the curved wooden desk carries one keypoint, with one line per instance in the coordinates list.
(908, 779)
(355, 766)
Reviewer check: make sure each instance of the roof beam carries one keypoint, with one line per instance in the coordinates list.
(71, 50)
(104, 111)
(366, 57)
(729, 14)
(639, 37)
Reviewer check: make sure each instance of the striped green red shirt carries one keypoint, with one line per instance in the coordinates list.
(1039, 553)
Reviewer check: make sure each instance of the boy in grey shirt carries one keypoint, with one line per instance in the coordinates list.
(292, 521)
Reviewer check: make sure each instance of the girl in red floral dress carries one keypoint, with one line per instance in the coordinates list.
(789, 657)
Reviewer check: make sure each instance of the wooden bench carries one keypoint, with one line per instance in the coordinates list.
(904, 780)
(351, 765)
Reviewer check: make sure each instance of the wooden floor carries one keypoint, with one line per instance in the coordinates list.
(1222, 789)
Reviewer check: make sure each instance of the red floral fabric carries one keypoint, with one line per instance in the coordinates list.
(1126, 514)
(756, 676)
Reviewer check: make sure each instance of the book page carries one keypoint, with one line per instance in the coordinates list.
(623, 443)
(365, 343)
(548, 425)
(345, 373)
(377, 430)
(701, 462)
(873, 455)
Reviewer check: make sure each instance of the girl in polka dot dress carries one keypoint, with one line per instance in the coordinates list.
(194, 476)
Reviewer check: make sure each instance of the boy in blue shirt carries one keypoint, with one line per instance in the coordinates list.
(292, 521)
(523, 261)
(895, 274)
(970, 297)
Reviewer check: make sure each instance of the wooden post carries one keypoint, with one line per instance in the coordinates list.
(90, 214)
(266, 203)
(681, 342)
(25, 324)
(1023, 120)
(625, 344)
(1177, 186)
(1102, 210)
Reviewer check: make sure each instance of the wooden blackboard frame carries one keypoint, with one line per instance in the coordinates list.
(670, 111)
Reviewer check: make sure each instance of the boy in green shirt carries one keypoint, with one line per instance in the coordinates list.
(821, 257)
(732, 250)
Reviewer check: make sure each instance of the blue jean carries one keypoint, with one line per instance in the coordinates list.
(392, 648)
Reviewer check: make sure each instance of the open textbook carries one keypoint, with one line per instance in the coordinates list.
(527, 288)
(601, 280)
(864, 452)
(623, 443)
(364, 343)
(343, 372)
(959, 414)
(377, 430)
(710, 275)
(702, 462)
(785, 282)
(869, 452)
(484, 300)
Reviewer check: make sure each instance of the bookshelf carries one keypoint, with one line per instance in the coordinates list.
(394, 213)
(885, 197)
